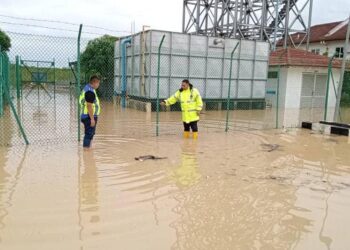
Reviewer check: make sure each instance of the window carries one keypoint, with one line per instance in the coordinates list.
(273, 74)
(339, 52)
(315, 51)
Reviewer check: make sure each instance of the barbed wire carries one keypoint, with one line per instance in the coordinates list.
(52, 28)
(41, 35)
(63, 22)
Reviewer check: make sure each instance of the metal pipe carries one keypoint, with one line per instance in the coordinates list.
(184, 17)
(286, 28)
(327, 88)
(309, 25)
(54, 78)
(158, 79)
(263, 19)
(340, 86)
(18, 78)
(235, 20)
(229, 88)
(198, 16)
(78, 77)
(1, 87)
(124, 43)
(216, 18)
(4, 63)
(278, 95)
(276, 25)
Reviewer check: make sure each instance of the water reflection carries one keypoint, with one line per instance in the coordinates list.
(8, 184)
(224, 191)
(244, 210)
(88, 195)
(7, 133)
(187, 174)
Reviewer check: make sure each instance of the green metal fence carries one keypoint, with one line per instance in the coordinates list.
(43, 83)
(344, 114)
(227, 113)
(45, 75)
(9, 119)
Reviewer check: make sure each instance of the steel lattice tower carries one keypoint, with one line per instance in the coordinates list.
(271, 20)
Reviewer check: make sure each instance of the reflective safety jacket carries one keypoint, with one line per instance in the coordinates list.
(83, 106)
(191, 104)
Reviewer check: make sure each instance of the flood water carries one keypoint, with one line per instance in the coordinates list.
(246, 189)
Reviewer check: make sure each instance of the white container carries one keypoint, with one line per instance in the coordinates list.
(205, 61)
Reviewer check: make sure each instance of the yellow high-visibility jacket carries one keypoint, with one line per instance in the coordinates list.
(96, 107)
(191, 104)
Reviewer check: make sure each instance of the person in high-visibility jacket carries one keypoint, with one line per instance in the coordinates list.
(191, 106)
(90, 109)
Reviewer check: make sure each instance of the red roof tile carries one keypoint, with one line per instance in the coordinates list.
(319, 33)
(298, 57)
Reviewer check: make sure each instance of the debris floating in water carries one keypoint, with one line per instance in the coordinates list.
(149, 157)
(270, 147)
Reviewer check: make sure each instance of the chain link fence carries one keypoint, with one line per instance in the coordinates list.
(43, 83)
(344, 115)
(11, 129)
(233, 89)
(239, 90)
(45, 86)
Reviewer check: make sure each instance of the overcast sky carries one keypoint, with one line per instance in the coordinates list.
(119, 14)
(110, 14)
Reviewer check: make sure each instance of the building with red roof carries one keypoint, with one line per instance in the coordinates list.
(325, 39)
(301, 87)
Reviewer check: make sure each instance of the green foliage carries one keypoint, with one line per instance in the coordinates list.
(98, 58)
(5, 41)
(345, 98)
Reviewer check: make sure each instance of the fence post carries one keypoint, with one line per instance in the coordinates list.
(278, 95)
(1, 87)
(18, 78)
(229, 88)
(5, 79)
(78, 80)
(158, 78)
(342, 72)
(327, 88)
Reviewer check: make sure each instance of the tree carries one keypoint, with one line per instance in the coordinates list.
(98, 58)
(5, 41)
(345, 98)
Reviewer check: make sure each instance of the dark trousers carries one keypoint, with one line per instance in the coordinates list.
(89, 131)
(191, 125)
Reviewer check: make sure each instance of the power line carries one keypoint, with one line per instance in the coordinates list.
(41, 35)
(62, 22)
(52, 28)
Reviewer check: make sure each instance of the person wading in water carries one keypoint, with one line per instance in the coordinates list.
(191, 106)
(90, 109)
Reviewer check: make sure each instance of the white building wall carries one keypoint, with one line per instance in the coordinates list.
(290, 93)
(293, 87)
(294, 84)
(332, 45)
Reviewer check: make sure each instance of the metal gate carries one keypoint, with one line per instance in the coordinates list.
(313, 96)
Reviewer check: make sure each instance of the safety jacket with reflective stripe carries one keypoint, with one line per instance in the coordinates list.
(83, 106)
(191, 104)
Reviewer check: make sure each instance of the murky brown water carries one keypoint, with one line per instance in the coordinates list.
(224, 191)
